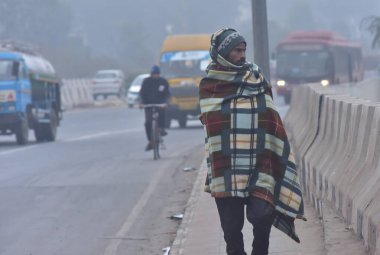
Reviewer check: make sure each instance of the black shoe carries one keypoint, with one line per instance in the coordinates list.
(149, 147)
(163, 132)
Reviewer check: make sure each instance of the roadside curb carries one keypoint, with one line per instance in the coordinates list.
(183, 230)
(339, 238)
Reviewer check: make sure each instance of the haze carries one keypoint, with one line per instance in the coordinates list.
(82, 36)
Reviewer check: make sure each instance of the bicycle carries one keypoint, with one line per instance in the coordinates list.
(156, 139)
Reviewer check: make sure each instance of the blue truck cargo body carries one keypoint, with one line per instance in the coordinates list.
(29, 96)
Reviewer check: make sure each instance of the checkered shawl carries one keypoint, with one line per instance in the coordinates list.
(248, 152)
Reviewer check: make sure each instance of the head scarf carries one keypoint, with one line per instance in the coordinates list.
(222, 43)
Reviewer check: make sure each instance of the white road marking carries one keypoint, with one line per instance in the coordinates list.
(97, 135)
(7, 152)
(113, 246)
(76, 139)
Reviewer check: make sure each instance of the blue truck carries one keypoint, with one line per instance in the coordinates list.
(30, 95)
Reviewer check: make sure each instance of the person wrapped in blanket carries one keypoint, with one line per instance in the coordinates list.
(249, 159)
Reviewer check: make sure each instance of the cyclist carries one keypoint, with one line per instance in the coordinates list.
(154, 90)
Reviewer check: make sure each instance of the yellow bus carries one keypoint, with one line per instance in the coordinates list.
(183, 62)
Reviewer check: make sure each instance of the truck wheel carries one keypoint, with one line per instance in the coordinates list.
(22, 131)
(50, 129)
(38, 133)
(182, 121)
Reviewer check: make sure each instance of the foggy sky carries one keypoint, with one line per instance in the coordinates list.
(98, 20)
(87, 35)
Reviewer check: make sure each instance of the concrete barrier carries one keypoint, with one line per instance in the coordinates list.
(336, 139)
(363, 183)
(354, 157)
(295, 113)
(76, 93)
(368, 89)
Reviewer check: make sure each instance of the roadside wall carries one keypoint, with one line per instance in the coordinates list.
(76, 93)
(336, 139)
(368, 89)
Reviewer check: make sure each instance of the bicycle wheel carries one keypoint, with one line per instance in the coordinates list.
(155, 140)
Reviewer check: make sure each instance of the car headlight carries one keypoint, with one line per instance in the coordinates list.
(281, 83)
(325, 83)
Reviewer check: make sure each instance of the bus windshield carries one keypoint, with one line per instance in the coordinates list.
(303, 64)
(184, 63)
(6, 70)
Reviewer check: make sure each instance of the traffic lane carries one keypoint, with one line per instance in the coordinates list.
(80, 122)
(74, 207)
(80, 188)
(85, 124)
(78, 194)
(96, 120)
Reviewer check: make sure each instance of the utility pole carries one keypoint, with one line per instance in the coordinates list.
(260, 36)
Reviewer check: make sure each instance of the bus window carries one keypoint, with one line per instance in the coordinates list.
(184, 63)
(6, 70)
(302, 63)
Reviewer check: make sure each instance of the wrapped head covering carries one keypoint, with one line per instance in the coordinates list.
(223, 41)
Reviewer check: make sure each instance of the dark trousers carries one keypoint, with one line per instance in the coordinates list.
(260, 214)
(149, 117)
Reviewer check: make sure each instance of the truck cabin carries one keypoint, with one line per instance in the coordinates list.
(9, 69)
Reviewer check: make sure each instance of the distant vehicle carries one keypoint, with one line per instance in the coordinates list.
(108, 83)
(30, 95)
(324, 57)
(183, 62)
(134, 89)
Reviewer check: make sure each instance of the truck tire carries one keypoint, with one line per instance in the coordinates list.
(50, 129)
(38, 133)
(22, 131)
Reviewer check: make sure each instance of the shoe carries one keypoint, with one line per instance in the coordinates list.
(149, 147)
(163, 132)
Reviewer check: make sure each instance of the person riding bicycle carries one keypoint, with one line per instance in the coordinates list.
(154, 90)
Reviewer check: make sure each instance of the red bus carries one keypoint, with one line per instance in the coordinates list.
(309, 57)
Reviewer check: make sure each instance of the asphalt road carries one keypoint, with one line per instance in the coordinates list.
(95, 190)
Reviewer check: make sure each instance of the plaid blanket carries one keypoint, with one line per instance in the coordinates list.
(248, 152)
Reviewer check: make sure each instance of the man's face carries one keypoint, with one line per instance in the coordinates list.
(237, 54)
(155, 75)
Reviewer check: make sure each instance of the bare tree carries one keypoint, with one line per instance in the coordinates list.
(372, 24)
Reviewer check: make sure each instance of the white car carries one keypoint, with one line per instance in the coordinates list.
(107, 83)
(134, 89)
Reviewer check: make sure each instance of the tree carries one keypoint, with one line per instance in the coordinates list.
(372, 24)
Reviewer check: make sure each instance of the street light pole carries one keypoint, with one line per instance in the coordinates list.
(260, 36)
